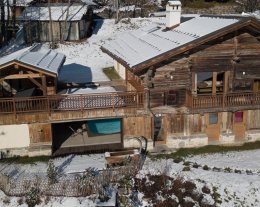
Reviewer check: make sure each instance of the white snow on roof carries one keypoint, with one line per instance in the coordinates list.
(19, 2)
(174, 3)
(58, 13)
(37, 56)
(146, 43)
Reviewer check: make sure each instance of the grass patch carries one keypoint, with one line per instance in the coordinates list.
(111, 73)
(25, 160)
(210, 149)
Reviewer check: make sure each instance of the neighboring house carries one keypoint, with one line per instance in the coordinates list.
(201, 77)
(68, 23)
(17, 8)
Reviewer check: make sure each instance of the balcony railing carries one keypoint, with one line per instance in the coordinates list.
(224, 101)
(71, 102)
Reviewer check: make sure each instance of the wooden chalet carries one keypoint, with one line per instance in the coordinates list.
(39, 118)
(200, 77)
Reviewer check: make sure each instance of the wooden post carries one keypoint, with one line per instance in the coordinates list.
(14, 107)
(226, 85)
(113, 101)
(44, 85)
(194, 83)
(48, 106)
(214, 83)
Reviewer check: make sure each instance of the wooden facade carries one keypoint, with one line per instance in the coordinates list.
(201, 93)
(217, 81)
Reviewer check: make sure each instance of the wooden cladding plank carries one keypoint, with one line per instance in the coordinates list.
(138, 126)
(40, 133)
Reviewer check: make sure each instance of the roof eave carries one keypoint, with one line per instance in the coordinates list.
(118, 59)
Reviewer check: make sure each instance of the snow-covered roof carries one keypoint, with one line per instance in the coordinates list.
(138, 46)
(255, 14)
(19, 2)
(58, 13)
(37, 56)
(174, 3)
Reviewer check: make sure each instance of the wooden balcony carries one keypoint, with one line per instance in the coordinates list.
(224, 102)
(59, 107)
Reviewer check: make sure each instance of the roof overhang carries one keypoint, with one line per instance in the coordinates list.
(31, 67)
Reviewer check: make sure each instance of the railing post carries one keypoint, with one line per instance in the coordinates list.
(81, 103)
(223, 100)
(113, 102)
(14, 107)
(48, 106)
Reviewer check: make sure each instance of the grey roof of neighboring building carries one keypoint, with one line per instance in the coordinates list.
(144, 44)
(58, 12)
(37, 56)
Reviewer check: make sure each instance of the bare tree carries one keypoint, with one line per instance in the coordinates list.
(2, 21)
(251, 5)
(13, 16)
(8, 20)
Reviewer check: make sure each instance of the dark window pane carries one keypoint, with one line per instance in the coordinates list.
(213, 118)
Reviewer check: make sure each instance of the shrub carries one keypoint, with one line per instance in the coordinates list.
(52, 173)
(186, 168)
(178, 160)
(20, 201)
(228, 169)
(205, 189)
(216, 169)
(249, 172)
(205, 167)
(6, 200)
(195, 165)
(33, 197)
(237, 171)
(187, 163)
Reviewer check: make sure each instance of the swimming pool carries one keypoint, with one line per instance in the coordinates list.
(105, 126)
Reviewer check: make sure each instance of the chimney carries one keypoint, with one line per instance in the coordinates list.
(173, 13)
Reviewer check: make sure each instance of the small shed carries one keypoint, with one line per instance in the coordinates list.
(59, 22)
(30, 71)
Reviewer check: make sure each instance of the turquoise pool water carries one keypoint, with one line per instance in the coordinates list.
(105, 126)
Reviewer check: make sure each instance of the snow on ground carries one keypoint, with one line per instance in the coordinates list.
(65, 165)
(87, 58)
(235, 189)
(236, 160)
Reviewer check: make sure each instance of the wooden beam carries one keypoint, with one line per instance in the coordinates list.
(226, 78)
(19, 76)
(36, 83)
(194, 82)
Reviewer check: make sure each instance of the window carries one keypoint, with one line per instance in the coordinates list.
(238, 117)
(171, 98)
(204, 81)
(213, 118)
